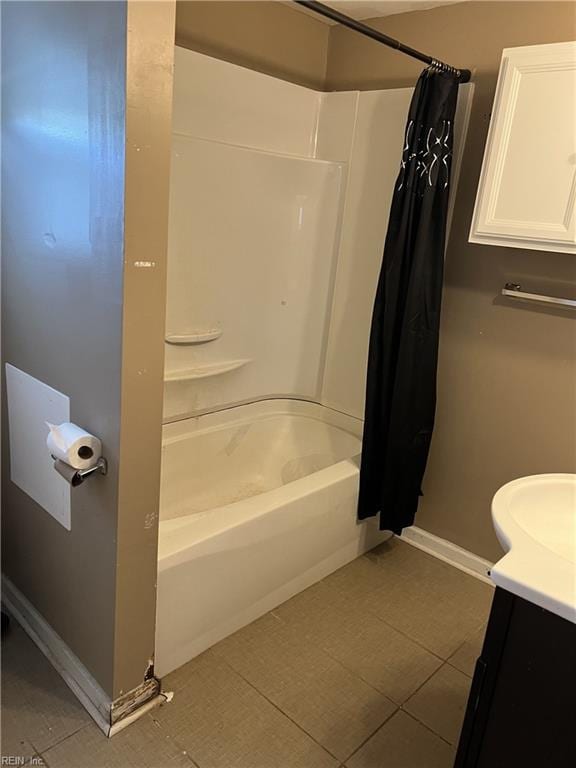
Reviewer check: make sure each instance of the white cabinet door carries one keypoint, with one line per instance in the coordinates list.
(527, 192)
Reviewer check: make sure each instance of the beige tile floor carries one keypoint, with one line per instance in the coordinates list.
(370, 668)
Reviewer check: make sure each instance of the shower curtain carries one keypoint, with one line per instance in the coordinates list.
(402, 359)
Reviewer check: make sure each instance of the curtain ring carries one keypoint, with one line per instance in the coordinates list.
(442, 67)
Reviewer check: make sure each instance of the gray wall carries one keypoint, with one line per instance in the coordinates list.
(506, 404)
(71, 313)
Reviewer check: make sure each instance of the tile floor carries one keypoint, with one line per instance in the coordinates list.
(370, 668)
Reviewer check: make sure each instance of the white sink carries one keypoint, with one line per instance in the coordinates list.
(535, 521)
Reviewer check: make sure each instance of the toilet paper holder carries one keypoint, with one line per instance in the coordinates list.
(77, 476)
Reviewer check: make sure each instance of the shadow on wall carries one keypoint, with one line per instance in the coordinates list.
(268, 37)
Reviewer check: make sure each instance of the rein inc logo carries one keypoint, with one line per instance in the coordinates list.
(21, 760)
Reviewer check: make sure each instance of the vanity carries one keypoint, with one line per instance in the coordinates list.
(521, 709)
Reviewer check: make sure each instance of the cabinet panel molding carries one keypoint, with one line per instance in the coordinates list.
(527, 191)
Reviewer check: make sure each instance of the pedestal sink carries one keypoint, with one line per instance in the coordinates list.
(535, 521)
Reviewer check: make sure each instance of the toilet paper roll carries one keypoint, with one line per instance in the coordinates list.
(73, 445)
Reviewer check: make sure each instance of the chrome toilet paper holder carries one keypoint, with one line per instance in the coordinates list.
(77, 476)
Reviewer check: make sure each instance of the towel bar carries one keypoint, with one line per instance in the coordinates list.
(514, 291)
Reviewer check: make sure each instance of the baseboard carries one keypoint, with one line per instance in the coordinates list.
(119, 725)
(94, 699)
(448, 552)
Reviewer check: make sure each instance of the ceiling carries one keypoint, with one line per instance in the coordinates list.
(370, 9)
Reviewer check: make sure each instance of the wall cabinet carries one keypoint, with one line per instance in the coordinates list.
(527, 192)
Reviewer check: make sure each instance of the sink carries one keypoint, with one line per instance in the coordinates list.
(535, 521)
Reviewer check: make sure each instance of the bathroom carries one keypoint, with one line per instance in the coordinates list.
(196, 198)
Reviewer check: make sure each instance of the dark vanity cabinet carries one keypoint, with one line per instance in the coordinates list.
(521, 710)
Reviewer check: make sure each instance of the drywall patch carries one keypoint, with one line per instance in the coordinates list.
(31, 404)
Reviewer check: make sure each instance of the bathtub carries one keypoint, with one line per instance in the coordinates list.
(257, 503)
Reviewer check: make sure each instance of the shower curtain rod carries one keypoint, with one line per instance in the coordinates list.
(324, 10)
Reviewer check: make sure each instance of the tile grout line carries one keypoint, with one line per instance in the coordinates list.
(387, 624)
(44, 763)
(281, 711)
(57, 743)
(434, 556)
(154, 723)
(469, 676)
(400, 707)
(428, 728)
(193, 762)
(441, 659)
(348, 669)
(395, 704)
(17, 628)
(381, 620)
(422, 685)
(397, 707)
(400, 631)
(382, 567)
(166, 732)
(418, 719)
(374, 732)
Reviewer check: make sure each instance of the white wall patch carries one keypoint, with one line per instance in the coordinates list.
(31, 403)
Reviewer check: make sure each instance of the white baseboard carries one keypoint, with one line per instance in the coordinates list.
(94, 699)
(448, 552)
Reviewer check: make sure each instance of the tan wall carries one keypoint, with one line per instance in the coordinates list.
(506, 404)
(267, 36)
(150, 57)
(77, 318)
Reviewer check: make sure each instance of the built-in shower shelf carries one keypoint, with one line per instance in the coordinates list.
(196, 337)
(205, 371)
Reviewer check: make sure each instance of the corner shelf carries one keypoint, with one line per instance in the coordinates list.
(205, 371)
(197, 337)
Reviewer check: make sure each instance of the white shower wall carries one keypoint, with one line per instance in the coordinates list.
(278, 213)
(251, 257)
(373, 154)
(222, 102)
(254, 221)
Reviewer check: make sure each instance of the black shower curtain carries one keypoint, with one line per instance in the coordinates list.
(401, 382)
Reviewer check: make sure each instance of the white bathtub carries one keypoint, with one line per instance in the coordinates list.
(258, 502)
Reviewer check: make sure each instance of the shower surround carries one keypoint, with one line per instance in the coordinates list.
(278, 214)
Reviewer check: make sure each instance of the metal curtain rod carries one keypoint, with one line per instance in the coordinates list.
(325, 10)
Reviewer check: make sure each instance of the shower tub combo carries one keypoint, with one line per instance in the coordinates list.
(278, 200)
(258, 502)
